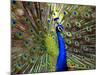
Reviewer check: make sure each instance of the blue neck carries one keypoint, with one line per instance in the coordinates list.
(61, 61)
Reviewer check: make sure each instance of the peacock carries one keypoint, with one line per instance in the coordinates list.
(52, 37)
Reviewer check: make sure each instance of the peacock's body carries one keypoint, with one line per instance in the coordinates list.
(48, 37)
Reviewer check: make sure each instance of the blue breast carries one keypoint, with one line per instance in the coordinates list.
(61, 61)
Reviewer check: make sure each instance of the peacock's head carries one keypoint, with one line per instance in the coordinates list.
(59, 28)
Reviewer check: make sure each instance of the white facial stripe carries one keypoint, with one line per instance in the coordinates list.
(60, 29)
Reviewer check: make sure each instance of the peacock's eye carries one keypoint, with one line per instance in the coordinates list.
(89, 29)
(45, 28)
(60, 29)
(68, 42)
(19, 34)
(76, 43)
(78, 35)
(75, 50)
(38, 20)
(78, 24)
(74, 13)
(85, 48)
(87, 14)
(69, 34)
(54, 14)
(64, 13)
(19, 65)
(26, 19)
(68, 25)
(26, 42)
(32, 59)
(82, 65)
(24, 56)
(33, 48)
(13, 22)
(48, 21)
(87, 38)
(31, 30)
